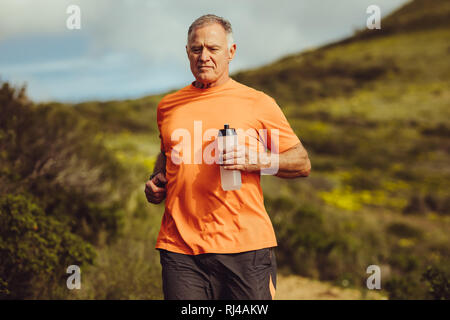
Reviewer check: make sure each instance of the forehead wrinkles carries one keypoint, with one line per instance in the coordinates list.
(208, 37)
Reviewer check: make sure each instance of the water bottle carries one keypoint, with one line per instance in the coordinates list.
(230, 179)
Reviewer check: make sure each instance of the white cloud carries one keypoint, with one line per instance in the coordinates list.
(153, 33)
(157, 30)
(24, 17)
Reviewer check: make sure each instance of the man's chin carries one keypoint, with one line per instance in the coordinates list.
(205, 79)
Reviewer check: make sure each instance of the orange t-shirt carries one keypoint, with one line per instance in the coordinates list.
(200, 217)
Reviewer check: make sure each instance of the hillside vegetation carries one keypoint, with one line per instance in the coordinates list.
(372, 111)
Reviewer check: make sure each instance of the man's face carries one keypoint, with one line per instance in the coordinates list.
(208, 53)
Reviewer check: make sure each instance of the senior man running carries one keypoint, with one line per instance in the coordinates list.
(217, 244)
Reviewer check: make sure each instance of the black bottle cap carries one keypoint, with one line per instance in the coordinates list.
(227, 131)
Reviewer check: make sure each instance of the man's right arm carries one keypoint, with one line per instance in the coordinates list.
(155, 188)
(160, 165)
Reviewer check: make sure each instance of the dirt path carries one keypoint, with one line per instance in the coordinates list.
(298, 288)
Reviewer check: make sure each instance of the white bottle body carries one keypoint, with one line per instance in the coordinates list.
(230, 179)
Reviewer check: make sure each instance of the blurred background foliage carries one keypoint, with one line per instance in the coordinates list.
(372, 111)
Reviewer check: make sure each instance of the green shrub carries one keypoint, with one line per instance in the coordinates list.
(416, 205)
(438, 281)
(403, 230)
(404, 260)
(310, 76)
(115, 116)
(404, 288)
(35, 250)
(313, 243)
(51, 152)
(431, 283)
(65, 183)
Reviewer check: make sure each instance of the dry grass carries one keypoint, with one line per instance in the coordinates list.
(299, 288)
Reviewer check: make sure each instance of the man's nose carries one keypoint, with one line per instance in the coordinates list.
(204, 56)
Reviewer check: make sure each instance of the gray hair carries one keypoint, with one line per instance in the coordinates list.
(211, 19)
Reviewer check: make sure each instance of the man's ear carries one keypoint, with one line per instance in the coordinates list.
(231, 52)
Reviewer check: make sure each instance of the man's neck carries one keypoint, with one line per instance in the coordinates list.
(206, 85)
(201, 85)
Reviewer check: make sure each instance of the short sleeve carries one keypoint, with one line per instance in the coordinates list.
(277, 135)
(159, 122)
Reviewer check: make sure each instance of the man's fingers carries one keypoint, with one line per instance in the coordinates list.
(234, 167)
(155, 198)
(152, 186)
(229, 161)
(232, 156)
(235, 154)
(160, 180)
(154, 194)
(238, 160)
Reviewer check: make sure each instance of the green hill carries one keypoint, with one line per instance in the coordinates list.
(372, 110)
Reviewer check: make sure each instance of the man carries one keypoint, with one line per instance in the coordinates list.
(217, 244)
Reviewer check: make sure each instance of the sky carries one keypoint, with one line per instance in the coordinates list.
(127, 49)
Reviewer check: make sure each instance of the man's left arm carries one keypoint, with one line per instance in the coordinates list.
(291, 163)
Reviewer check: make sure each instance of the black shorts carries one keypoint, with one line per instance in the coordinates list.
(247, 275)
